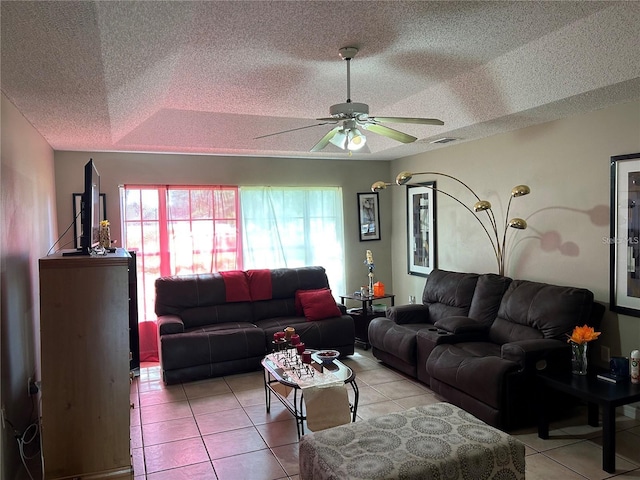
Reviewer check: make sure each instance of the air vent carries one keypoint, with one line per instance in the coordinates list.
(444, 140)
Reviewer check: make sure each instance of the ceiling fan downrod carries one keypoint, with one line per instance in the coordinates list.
(347, 53)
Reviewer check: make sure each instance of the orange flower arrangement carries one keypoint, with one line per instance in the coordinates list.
(582, 335)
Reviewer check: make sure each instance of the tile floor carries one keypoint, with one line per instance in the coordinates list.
(218, 429)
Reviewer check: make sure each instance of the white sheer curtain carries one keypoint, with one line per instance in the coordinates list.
(294, 227)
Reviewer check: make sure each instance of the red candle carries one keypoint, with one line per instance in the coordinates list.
(278, 335)
(306, 356)
(295, 339)
(300, 348)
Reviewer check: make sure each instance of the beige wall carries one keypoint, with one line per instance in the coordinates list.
(121, 168)
(566, 164)
(28, 229)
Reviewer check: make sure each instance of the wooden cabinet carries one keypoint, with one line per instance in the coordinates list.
(84, 336)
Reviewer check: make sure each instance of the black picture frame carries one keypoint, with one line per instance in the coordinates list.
(624, 235)
(421, 228)
(368, 216)
(77, 224)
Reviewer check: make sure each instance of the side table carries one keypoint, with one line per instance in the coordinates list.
(598, 394)
(363, 315)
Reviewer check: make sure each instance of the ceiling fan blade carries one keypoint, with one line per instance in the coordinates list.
(290, 130)
(389, 132)
(324, 141)
(422, 121)
(335, 118)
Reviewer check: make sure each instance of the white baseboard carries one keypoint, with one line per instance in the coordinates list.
(632, 410)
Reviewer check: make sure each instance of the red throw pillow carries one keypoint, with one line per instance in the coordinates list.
(298, 305)
(318, 304)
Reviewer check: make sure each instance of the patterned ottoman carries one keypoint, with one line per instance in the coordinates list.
(438, 441)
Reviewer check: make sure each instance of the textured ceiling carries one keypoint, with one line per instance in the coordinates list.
(209, 77)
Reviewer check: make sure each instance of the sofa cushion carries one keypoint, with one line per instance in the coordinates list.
(228, 312)
(216, 343)
(465, 366)
(448, 294)
(532, 310)
(285, 281)
(176, 293)
(318, 304)
(283, 307)
(398, 340)
(487, 297)
(337, 332)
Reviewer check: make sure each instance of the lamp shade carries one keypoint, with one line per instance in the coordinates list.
(518, 223)
(520, 191)
(403, 178)
(340, 139)
(379, 185)
(355, 139)
(481, 206)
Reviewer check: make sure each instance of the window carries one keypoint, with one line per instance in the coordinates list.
(294, 227)
(177, 230)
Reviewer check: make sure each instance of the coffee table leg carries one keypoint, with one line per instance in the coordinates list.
(297, 412)
(267, 392)
(356, 396)
(609, 439)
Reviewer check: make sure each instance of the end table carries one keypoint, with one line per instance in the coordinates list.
(362, 316)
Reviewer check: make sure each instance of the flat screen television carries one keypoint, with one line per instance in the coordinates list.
(89, 211)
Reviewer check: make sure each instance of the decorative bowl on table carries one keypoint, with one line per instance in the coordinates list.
(327, 356)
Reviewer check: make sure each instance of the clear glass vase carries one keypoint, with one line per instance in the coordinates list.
(579, 360)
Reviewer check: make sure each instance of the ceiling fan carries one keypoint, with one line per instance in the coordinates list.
(351, 115)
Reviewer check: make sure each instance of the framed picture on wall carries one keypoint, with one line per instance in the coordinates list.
(368, 216)
(421, 228)
(624, 237)
(77, 208)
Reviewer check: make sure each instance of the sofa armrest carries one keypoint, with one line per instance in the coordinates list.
(408, 314)
(538, 354)
(464, 325)
(168, 324)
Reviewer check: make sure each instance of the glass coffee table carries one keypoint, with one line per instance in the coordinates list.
(284, 369)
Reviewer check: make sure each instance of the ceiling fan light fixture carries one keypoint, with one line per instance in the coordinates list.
(340, 139)
(356, 140)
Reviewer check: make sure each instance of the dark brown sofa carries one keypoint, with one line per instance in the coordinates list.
(478, 340)
(218, 324)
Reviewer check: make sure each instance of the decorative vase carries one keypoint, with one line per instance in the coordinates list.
(579, 358)
(104, 236)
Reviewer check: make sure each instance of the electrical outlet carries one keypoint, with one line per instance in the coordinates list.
(605, 354)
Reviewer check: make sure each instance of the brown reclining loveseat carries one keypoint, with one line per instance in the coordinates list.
(478, 340)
